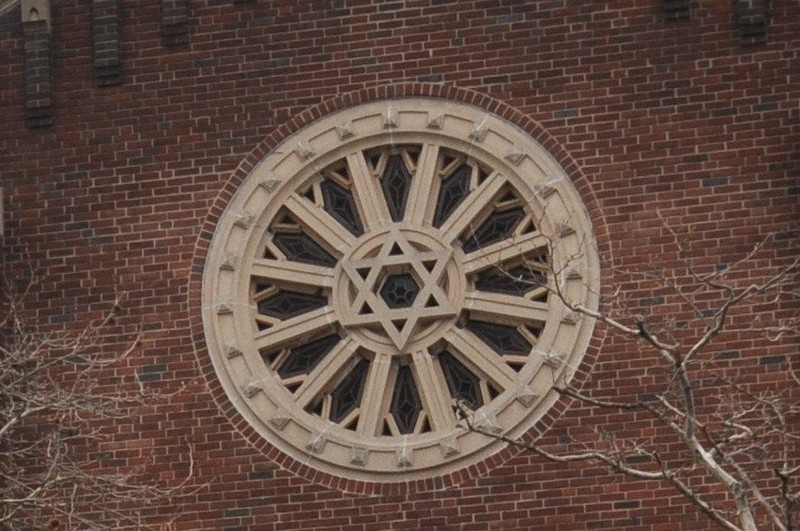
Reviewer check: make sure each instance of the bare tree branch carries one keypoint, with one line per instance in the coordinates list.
(56, 400)
(615, 463)
(731, 445)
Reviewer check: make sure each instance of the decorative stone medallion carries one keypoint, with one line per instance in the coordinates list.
(389, 268)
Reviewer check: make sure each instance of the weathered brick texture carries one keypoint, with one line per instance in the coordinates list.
(683, 142)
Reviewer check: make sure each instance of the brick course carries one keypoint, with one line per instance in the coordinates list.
(659, 121)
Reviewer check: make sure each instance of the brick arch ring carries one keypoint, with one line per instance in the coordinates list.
(384, 264)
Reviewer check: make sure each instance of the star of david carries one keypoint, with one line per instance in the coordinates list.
(395, 255)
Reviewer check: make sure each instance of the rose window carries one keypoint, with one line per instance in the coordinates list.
(388, 269)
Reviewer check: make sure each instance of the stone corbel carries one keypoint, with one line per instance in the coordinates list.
(677, 9)
(175, 22)
(107, 55)
(752, 19)
(38, 89)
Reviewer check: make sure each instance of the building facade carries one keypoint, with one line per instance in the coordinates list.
(362, 242)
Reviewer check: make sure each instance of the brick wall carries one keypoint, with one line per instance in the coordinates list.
(675, 123)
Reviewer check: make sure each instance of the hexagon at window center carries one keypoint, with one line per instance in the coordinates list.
(399, 290)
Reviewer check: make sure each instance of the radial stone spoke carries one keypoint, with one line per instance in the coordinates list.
(471, 208)
(434, 396)
(368, 191)
(319, 378)
(420, 193)
(502, 306)
(294, 329)
(362, 320)
(372, 399)
(294, 272)
(494, 255)
(319, 222)
(489, 364)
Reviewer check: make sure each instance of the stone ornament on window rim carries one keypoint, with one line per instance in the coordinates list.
(383, 265)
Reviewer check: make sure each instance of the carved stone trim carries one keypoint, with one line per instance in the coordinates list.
(38, 88)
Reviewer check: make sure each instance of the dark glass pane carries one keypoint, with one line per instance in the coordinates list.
(288, 304)
(497, 227)
(315, 408)
(505, 340)
(516, 281)
(395, 183)
(453, 191)
(340, 204)
(303, 359)
(535, 329)
(464, 385)
(399, 291)
(406, 404)
(347, 395)
(301, 248)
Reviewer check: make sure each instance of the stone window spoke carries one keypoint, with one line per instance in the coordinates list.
(367, 190)
(422, 185)
(435, 399)
(336, 360)
(375, 387)
(495, 255)
(486, 363)
(502, 307)
(471, 207)
(289, 272)
(318, 222)
(295, 329)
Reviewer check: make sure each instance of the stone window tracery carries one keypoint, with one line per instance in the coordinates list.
(386, 264)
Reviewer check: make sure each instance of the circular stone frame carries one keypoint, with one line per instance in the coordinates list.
(521, 396)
